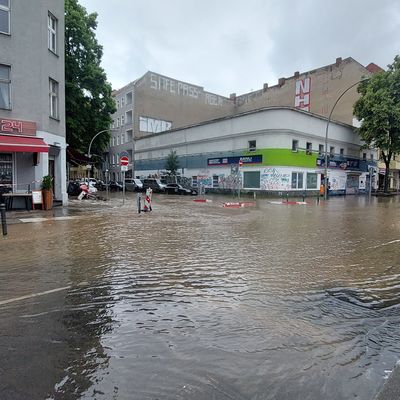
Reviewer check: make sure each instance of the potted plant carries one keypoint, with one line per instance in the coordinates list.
(47, 190)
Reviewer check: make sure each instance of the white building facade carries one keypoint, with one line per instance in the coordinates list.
(278, 149)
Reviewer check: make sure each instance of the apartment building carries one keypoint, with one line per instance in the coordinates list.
(155, 103)
(32, 116)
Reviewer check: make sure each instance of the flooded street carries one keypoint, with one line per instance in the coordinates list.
(196, 301)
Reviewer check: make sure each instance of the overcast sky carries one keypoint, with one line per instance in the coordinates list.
(230, 46)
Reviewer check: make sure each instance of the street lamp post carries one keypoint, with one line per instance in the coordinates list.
(326, 134)
(90, 145)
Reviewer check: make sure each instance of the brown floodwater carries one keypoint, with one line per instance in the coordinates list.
(197, 301)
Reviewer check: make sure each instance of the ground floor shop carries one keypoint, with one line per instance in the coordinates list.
(26, 155)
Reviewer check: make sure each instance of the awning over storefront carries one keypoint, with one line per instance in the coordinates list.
(10, 143)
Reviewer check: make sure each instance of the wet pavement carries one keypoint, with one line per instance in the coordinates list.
(197, 301)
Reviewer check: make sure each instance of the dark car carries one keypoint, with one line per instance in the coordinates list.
(115, 186)
(133, 185)
(154, 184)
(176, 188)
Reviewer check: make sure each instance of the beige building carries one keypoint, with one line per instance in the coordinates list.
(315, 91)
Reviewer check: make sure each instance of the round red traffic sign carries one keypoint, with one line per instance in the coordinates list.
(124, 161)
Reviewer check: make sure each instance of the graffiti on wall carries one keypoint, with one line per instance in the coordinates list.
(162, 83)
(204, 180)
(153, 125)
(303, 93)
(273, 179)
(228, 182)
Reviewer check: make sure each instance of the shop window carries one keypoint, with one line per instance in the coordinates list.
(215, 181)
(308, 148)
(295, 145)
(6, 169)
(312, 180)
(297, 180)
(5, 87)
(5, 16)
(52, 25)
(251, 180)
(252, 145)
(53, 98)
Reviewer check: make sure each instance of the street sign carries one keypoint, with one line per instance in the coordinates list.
(124, 168)
(240, 163)
(124, 161)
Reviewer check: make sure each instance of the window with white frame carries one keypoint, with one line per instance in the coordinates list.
(215, 181)
(117, 122)
(252, 145)
(297, 180)
(52, 25)
(113, 140)
(53, 98)
(295, 145)
(5, 86)
(117, 103)
(122, 138)
(312, 180)
(5, 16)
(122, 120)
(113, 158)
(122, 101)
(118, 140)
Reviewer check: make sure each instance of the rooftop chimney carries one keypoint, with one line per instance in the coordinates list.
(265, 87)
(281, 81)
(296, 74)
(232, 96)
(338, 61)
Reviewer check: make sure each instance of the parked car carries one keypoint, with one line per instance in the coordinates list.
(154, 184)
(176, 188)
(115, 186)
(100, 185)
(133, 185)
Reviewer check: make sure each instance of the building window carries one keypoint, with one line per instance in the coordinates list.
(122, 138)
(5, 16)
(251, 179)
(309, 148)
(122, 101)
(5, 86)
(252, 145)
(113, 158)
(341, 152)
(6, 169)
(312, 180)
(364, 156)
(295, 145)
(113, 141)
(371, 157)
(215, 181)
(129, 97)
(332, 151)
(52, 24)
(53, 98)
(297, 180)
(118, 140)
(194, 181)
(321, 149)
(117, 103)
(117, 122)
(122, 120)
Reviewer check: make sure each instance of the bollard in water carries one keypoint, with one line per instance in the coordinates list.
(3, 219)
(139, 202)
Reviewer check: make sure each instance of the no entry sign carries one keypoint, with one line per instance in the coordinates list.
(124, 161)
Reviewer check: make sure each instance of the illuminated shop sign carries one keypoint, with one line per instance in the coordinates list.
(15, 127)
(246, 160)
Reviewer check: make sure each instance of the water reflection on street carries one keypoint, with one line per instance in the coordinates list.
(196, 301)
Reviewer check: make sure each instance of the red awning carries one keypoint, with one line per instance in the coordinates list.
(10, 143)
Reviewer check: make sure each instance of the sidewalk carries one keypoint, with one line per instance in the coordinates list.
(14, 217)
(391, 388)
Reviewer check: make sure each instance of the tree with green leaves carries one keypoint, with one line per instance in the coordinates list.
(378, 109)
(172, 163)
(88, 100)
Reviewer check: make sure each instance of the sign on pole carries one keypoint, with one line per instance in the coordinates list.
(124, 161)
